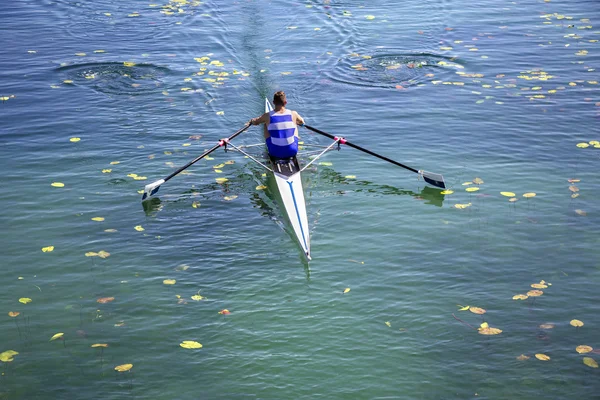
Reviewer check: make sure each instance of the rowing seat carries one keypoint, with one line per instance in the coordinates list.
(285, 166)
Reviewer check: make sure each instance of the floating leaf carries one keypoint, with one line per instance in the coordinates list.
(190, 344)
(542, 357)
(104, 300)
(138, 228)
(485, 329)
(547, 326)
(472, 189)
(528, 195)
(123, 367)
(523, 357)
(57, 336)
(477, 310)
(478, 181)
(99, 219)
(74, 139)
(465, 308)
(99, 345)
(106, 171)
(169, 281)
(576, 323)
(462, 206)
(196, 204)
(350, 177)
(520, 297)
(507, 194)
(103, 254)
(581, 212)
(197, 297)
(261, 187)
(230, 198)
(539, 286)
(48, 249)
(573, 188)
(535, 293)
(7, 356)
(57, 184)
(346, 290)
(583, 145)
(370, 17)
(13, 314)
(129, 64)
(447, 192)
(225, 312)
(583, 349)
(221, 180)
(25, 300)
(220, 112)
(91, 254)
(590, 362)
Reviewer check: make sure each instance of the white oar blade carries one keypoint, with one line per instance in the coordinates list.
(151, 189)
(433, 179)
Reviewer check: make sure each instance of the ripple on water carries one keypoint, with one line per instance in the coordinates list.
(115, 78)
(387, 69)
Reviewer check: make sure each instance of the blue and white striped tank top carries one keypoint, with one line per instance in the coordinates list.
(282, 142)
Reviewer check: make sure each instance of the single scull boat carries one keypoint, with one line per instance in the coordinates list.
(287, 173)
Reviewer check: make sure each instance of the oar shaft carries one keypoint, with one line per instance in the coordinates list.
(361, 149)
(207, 152)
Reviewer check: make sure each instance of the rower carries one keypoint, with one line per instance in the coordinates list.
(280, 130)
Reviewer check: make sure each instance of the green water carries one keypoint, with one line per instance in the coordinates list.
(501, 91)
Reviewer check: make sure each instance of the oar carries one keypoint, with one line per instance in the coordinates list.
(429, 177)
(152, 188)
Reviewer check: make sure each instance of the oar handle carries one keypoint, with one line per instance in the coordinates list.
(344, 141)
(221, 143)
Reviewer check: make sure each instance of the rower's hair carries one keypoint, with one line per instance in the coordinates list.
(279, 98)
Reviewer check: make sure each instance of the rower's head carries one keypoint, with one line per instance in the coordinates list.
(279, 99)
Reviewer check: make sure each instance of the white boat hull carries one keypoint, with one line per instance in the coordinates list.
(289, 184)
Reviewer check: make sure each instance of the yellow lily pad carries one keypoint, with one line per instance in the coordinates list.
(528, 195)
(583, 349)
(123, 367)
(169, 281)
(576, 323)
(25, 300)
(542, 357)
(190, 344)
(507, 194)
(99, 219)
(48, 249)
(57, 184)
(520, 297)
(57, 336)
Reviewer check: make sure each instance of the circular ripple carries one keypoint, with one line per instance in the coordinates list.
(391, 70)
(115, 78)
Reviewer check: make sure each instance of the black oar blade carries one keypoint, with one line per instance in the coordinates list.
(433, 179)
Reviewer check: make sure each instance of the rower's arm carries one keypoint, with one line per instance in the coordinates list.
(298, 118)
(263, 119)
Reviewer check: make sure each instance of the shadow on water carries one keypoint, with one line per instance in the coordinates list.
(429, 195)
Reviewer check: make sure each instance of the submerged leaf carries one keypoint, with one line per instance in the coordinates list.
(590, 362)
(104, 300)
(523, 357)
(477, 310)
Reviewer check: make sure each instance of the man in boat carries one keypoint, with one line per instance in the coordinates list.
(280, 128)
